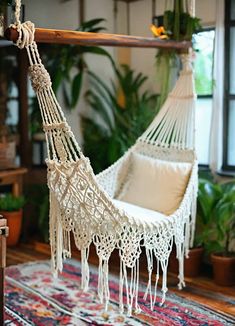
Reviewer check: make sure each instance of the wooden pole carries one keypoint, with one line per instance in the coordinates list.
(81, 11)
(3, 235)
(55, 36)
(153, 8)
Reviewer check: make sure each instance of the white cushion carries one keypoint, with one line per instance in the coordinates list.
(140, 213)
(155, 184)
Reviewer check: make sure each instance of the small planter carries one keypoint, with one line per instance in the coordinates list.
(223, 269)
(14, 222)
(192, 264)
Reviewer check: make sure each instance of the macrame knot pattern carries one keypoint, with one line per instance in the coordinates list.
(26, 32)
(186, 60)
(40, 78)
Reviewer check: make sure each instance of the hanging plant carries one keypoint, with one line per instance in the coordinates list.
(178, 24)
(167, 65)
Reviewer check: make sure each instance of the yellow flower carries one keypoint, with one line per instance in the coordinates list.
(121, 99)
(159, 31)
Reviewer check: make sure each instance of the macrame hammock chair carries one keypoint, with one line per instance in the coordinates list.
(93, 207)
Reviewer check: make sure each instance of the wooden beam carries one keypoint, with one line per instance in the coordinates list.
(56, 36)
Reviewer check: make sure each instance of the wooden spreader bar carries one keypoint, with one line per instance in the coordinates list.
(57, 36)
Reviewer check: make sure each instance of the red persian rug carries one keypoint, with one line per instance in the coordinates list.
(34, 297)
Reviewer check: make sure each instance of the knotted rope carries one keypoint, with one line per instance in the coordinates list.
(17, 12)
(38, 74)
(26, 30)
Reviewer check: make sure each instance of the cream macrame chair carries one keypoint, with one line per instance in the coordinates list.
(88, 205)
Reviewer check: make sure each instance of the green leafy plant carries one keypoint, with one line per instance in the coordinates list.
(167, 65)
(179, 24)
(216, 216)
(225, 217)
(38, 202)
(9, 203)
(120, 114)
(43, 221)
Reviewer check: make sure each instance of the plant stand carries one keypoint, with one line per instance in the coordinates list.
(3, 235)
(13, 177)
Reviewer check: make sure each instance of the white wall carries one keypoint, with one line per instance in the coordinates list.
(52, 13)
(101, 9)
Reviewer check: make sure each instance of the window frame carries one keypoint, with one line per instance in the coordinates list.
(228, 23)
(207, 96)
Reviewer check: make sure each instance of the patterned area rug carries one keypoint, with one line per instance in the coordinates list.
(34, 297)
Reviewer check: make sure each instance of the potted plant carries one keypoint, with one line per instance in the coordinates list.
(215, 227)
(11, 209)
(192, 264)
(223, 256)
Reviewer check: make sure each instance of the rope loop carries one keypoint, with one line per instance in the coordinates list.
(26, 32)
(186, 60)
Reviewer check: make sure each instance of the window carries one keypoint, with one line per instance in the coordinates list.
(229, 91)
(204, 45)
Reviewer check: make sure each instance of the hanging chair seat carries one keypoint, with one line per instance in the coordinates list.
(140, 214)
(146, 199)
(149, 181)
(149, 184)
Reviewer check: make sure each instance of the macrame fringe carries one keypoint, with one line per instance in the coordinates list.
(129, 276)
(59, 237)
(85, 269)
(103, 282)
(131, 286)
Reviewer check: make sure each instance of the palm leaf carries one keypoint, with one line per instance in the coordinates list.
(86, 26)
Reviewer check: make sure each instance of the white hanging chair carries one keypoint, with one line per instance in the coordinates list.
(147, 199)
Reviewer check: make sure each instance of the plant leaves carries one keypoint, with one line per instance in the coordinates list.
(76, 88)
(86, 26)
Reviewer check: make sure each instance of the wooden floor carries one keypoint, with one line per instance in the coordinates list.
(200, 289)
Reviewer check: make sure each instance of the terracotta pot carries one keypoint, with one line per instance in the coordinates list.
(191, 265)
(223, 269)
(14, 222)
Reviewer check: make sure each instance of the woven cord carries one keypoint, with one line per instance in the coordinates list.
(17, 11)
(26, 30)
(174, 125)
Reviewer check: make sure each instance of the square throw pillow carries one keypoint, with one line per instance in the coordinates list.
(155, 184)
